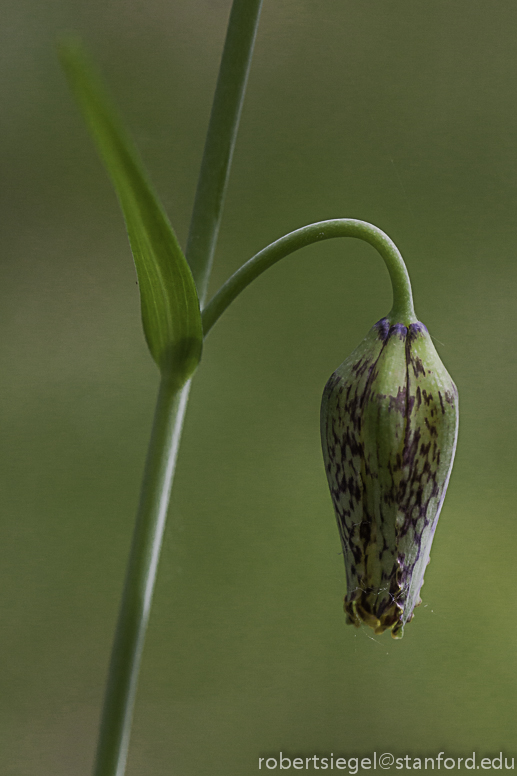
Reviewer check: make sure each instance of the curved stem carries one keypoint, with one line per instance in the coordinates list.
(140, 580)
(220, 140)
(402, 310)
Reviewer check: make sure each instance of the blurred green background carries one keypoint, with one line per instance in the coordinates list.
(399, 112)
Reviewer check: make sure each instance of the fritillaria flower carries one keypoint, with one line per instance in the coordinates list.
(389, 421)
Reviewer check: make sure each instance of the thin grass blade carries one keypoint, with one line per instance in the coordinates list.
(170, 306)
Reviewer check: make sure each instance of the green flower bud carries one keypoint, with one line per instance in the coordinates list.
(389, 424)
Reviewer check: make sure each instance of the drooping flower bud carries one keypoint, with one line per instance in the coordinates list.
(389, 421)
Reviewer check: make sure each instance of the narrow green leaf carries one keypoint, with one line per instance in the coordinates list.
(170, 306)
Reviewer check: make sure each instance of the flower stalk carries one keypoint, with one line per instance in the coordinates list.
(172, 292)
(402, 308)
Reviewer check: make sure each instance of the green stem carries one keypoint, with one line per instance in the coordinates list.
(171, 405)
(220, 140)
(402, 310)
(140, 580)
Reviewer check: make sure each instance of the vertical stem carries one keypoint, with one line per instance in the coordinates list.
(171, 405)
(220, 140)
(140, 579)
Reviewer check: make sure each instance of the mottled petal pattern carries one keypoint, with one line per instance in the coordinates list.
(389, 423)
